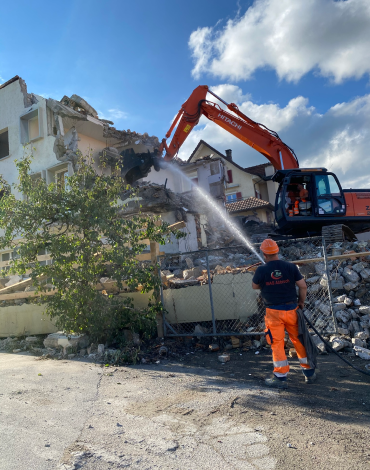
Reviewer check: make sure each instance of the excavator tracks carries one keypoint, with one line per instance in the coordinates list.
(338, 233)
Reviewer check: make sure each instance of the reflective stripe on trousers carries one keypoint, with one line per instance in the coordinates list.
(277, 321)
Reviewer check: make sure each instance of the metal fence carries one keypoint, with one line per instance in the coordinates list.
(209, 292)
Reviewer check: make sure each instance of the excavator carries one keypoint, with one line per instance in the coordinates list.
(309, 201)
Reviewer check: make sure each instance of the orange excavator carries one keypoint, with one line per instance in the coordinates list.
(309, 201)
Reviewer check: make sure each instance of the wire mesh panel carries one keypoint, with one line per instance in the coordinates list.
(209, 292)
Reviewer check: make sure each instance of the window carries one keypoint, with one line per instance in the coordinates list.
(6, 256)
(326, 185)
(4, 143)
(31, 126)
(230, 176)
(231, 197)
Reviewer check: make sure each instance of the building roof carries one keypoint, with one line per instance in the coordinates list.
(247, 204)
(209, 146)
(14, 79)
(258, 170)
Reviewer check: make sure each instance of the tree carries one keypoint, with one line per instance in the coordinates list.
(80, 224)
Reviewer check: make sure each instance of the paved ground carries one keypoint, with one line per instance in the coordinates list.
(188, 414)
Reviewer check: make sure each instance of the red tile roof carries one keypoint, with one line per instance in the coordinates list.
(248, 204)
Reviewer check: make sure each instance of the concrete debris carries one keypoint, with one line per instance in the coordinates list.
(64, 341)
(224, 358)
(80, 105)
(362, 352)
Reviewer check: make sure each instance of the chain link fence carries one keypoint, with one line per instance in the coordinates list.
(209, 292)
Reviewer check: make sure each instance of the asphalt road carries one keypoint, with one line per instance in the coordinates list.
(188, 414)
(44, 405)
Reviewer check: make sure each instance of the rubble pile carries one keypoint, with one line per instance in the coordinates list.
(192, 270)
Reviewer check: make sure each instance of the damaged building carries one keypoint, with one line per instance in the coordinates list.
(58, 131)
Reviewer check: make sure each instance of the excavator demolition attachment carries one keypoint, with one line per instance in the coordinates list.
(135, 166)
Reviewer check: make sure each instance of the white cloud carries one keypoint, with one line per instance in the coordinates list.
(338, 140)
(113, 113)
(1, 79)
(292, 37)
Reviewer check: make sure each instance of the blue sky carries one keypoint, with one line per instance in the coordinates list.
(301, 67)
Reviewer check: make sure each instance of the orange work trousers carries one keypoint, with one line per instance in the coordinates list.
(277, 321)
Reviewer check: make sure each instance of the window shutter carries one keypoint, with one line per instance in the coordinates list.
(230, 176)
(238, 195)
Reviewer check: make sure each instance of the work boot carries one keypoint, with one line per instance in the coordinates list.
(276, 382)
(310, 380)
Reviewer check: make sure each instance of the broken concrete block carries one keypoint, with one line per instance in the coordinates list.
(362, 352)
(224, 358)
(364, 310)
(32, 339)
(349, 286)
(343, 331)
(61, 340)
(338, 343)
(199, 330)
(362, 335)
(314, 288)
(193, 272)
(342, 316)
(189, 263)
(357, 342)
(339, 306)
(319, 343)
(347, 301)
(358, 267)
(325, 309)
(178, 273)
(354, 326)
(357, 302)
(320, 268)
(236, 342)
(13, 280)
(350, 275)
(365, 273)
(312, 280)
(100, 349)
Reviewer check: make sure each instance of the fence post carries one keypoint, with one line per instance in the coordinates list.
(211, 296)
(329, 284)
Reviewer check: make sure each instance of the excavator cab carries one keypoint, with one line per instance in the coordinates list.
(307, 200)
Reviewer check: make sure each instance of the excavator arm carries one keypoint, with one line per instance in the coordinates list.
(256, 135)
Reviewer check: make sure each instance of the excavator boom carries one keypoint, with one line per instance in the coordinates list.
(256, 135)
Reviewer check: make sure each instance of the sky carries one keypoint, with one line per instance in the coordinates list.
(301, 67)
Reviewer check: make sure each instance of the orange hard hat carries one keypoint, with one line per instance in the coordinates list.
(269, 247)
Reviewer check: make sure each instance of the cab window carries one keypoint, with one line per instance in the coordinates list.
(327, 186)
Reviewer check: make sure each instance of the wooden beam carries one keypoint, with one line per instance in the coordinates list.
(177, 225)
(18, 286)
(345, 256)
(319, 260)
(25, 295)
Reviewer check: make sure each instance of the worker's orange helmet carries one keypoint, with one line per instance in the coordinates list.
(269, 247)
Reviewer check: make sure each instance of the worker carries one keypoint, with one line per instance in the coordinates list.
(277, 281)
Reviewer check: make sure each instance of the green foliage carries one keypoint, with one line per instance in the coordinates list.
(82, 227)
